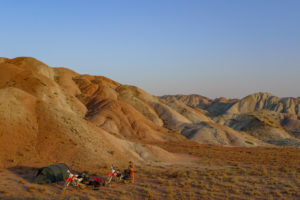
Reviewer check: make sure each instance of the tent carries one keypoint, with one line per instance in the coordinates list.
(51, 174)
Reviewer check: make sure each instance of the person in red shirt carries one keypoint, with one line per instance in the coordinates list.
(131, 170)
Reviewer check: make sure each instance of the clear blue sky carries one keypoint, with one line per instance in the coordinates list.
(215, 48)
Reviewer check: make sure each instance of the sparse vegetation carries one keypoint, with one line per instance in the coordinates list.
(32, 189)
(74, 198)
(249, 142)
(219, 173)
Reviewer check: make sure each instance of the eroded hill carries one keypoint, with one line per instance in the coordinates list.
(264, 116)
(51, 115)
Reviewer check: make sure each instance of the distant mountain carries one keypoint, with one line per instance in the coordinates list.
(264, 116)
(192, 100)
(214, 106)
(253, 102)
(266, 101)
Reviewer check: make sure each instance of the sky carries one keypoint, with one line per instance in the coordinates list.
(215, 48)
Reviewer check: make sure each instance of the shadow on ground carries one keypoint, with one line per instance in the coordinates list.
(25, 172)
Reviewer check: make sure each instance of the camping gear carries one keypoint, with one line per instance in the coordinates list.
(52, 173)
(85, 178)
(73, 179)
(126, 174)
(95, 182)
(114, 173)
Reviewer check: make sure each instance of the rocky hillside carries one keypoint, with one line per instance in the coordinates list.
(214, 106)
(265, 101)
(50, 115)
(192, 100)
(264, 116)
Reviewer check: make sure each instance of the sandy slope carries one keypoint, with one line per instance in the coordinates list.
(43, 118)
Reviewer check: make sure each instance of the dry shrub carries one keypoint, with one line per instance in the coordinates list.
(21, 181)
(168, 183)
(276, 193)
(234, 179)
(203, 192)
(170, 193)
(44, 190)
(3, 192)
(175, 174)
(36, 198)
(148, 171)
(148, 192)
(191, 173)
(284, 169)
(32, 189)
(123, 192)
(263, 171)
(74, 198)
(91, 198)
(178, 174)
(160, 180)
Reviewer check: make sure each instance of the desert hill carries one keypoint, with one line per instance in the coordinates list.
(213, 106)
(262, 115)
(130, 113)
(250, 103)
(266, 101)
(50, 115)
(192, 100)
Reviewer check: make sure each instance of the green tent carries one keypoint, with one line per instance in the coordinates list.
(51, 174)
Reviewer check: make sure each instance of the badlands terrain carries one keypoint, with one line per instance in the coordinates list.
(184, 146)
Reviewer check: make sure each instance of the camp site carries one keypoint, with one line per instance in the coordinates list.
(60, 172)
